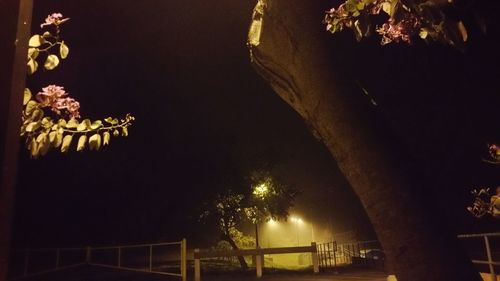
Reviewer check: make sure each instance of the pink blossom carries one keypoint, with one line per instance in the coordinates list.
(54, 96)
(69, 104)
(55, 19)
(402, 30)
(50, 94)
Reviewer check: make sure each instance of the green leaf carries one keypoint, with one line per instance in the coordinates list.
(33, 126)
(462, 30)
(47, 122)
(72, 123)
(33, 53)
(96, 124)
(46, 34)
(387, 8)
(95, 142)
(84, 125)
(36, 41)
(41, 137)
(27, 96)
(63, 50)
(32, 105)
(32, 66)
(423, 33)
(62, 123)
(109, 120)
(33, 147)
(66, 142)
(52, 137)
(58, 139)
(124, 131)
(44, 147)
(106, 136)
(37, 115)
(51, 62)
(81, 143)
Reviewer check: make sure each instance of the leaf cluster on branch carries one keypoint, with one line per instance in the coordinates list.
(50, 119)
(398, 20)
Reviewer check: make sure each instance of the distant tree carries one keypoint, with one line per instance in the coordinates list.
(265, 199)
(227, 210)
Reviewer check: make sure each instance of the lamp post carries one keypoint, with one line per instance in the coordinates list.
(297, 222)
(260, 192)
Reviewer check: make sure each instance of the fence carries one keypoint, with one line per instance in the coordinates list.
(158, 258)
(258, 253)
(489, 253)
(32, 262)
(332, 254)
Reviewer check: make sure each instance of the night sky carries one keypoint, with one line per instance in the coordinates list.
(204, 119)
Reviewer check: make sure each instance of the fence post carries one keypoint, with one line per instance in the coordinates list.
(197, 266)
(26, 261)
(258, 264)
(490, 260)
(119, 256)
(334, 247)
(88, 255)
(315, 257)
(57, 257)
(150, 258)
(184, 259)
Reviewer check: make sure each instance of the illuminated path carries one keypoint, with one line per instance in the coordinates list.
(101, 274)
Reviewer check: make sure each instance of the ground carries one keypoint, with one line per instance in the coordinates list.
(88, 273)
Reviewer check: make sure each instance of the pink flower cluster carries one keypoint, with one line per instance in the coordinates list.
(494, 150)
(55, 97)
(55, 19)
(402, 30)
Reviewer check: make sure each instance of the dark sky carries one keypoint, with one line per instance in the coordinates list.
(204, 117)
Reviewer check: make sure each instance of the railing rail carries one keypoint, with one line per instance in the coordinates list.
(490, 262)
(258, 253)
(87, 258)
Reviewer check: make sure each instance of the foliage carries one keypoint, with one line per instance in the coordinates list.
(485, 204)
(231, 209)
(404, 20)
(227, 209)
(50, 118)
(494, 154)
(270, 199)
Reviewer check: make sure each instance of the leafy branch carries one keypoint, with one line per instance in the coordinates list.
(404, 20)
(42, 131)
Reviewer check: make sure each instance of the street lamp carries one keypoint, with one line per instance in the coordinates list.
(260, 192)
(297, 221)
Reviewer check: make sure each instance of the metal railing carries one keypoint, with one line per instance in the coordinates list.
(258, 253)
(124, 257)
(332, 254)
(490, 262)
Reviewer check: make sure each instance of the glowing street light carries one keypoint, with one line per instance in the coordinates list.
(297, 221)
(261, 191)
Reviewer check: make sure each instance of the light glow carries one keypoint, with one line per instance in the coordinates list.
(261, 191)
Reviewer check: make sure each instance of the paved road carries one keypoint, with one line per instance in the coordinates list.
(90, 273)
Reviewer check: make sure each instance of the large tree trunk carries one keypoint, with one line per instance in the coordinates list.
(288, 48)
(15, 22)
(243, 262)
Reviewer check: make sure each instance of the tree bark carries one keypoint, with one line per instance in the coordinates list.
(15, 22)
(289, 48)
(241, 259)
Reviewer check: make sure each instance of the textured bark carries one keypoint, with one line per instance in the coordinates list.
(15, 21)
(241, 259)
(289, 49)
